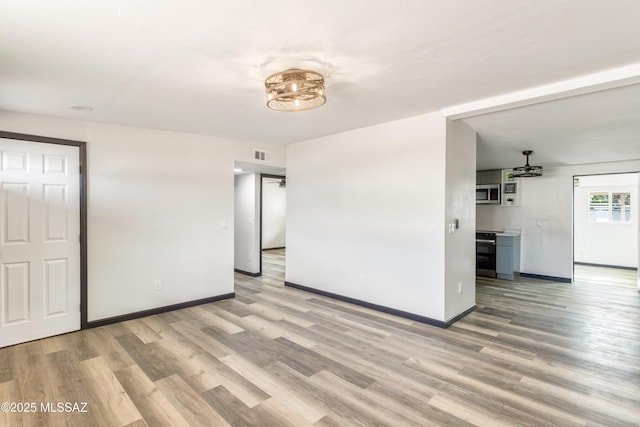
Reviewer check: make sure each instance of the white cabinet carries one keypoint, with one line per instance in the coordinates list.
(488, 177)
(510, 188)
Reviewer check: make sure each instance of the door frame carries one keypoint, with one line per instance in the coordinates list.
(82, 146)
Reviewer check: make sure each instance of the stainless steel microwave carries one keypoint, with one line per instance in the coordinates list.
(488, 194)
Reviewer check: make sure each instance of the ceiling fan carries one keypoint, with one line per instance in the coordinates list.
(527, 170)
(282, 183)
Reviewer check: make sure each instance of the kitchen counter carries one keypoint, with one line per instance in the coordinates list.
(507, 233)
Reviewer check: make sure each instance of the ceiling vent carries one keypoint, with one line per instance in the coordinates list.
(262, 156)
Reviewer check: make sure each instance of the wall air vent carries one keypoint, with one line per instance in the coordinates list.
(262, 156)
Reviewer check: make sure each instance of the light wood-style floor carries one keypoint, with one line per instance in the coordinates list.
(605, 275)
(533, 353)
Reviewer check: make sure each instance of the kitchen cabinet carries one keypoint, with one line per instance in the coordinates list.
(489, 177)
(507, 255)
(509, 188)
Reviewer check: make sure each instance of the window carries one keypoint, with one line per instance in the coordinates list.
(605, 207)
(621, 207)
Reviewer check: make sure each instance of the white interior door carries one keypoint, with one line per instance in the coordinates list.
(39, 240)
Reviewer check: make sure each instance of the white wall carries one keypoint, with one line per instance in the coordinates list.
(247, 223)
(605, 243)
(460, 204)
(545, 217)
(274, 203)
(366, 214)
(157, 202)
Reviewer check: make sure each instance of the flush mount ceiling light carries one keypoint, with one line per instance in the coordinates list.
(295, 90)
(526, 170)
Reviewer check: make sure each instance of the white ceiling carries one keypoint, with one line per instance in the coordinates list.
(602, 126)
(199, 66)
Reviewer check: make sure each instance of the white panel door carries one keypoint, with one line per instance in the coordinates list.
(39, 240)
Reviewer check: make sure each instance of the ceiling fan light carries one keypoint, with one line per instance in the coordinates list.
(295, 90)
(527, 171)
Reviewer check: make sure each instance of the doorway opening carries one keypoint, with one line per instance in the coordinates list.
(273, 202)
(259, 220)
(605, 224)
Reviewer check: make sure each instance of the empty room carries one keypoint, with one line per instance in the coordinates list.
(414, 213)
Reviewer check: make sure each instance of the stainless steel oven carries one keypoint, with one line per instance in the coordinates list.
(486, 254)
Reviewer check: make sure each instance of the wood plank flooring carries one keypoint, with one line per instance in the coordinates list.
(605, 275)
(534, 353)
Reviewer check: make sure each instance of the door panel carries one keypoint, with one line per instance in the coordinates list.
(55, 198)
(16, 210)
(13, 161)
(16, 293)
(56, 282)
(39, 246)
(55, 164)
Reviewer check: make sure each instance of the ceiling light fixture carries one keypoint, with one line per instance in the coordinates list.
(295, 90)
(527, 171)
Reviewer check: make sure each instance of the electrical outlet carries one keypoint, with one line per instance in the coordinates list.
(157, 285)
